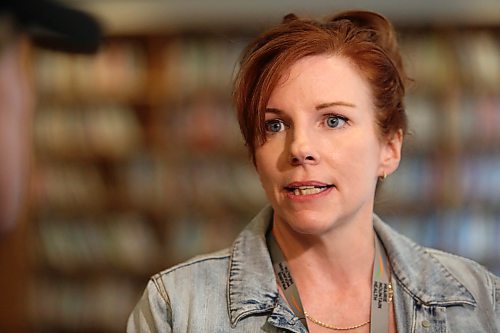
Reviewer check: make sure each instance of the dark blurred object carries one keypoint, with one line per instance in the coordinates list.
(54, 25)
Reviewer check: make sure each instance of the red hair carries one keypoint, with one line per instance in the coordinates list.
(367, 39)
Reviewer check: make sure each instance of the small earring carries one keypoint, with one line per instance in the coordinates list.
(384, 176)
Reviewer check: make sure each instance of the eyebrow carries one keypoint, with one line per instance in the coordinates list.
(274, 110)
(318, 107)
(327, 105)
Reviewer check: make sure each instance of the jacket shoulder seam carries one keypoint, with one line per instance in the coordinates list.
(221, 255)
(160, 287)
(496, 293)
(485, 273)
(459, 258)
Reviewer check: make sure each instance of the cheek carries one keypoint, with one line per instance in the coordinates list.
(260, 164)
(267, 154)
(266, 163)
(267, 184)
(359, 159)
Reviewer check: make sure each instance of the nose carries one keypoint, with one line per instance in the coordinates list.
(302, 149)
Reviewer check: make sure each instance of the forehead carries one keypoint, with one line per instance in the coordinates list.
(321, 78)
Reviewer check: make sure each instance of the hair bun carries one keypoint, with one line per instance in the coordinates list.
(289, 18)
(379, 28)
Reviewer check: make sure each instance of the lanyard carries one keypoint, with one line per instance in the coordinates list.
(381, 286)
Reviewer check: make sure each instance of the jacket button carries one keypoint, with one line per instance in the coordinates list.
(426, 323)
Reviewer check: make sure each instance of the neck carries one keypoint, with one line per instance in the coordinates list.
(341, 257)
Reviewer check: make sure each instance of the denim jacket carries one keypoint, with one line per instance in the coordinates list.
(235, 290)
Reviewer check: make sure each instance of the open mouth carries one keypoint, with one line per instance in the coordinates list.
(307, 189)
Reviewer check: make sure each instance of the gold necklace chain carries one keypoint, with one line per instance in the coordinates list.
(331, 327)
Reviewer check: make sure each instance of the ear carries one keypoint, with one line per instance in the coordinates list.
(390, 154)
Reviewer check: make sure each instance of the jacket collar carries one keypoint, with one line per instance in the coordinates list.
(252, 285)
(420, 272)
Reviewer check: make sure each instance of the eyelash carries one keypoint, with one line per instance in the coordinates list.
(337, 116)
(270, 122)
(275, 121)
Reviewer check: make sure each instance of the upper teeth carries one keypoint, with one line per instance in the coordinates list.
(306, 187)
(307, 190)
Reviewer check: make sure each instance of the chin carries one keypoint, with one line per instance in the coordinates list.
(309, 223)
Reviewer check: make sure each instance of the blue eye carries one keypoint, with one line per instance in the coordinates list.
(334, 121)
(274, 125)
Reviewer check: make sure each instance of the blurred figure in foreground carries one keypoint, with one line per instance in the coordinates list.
(24, 23)
(50, 25)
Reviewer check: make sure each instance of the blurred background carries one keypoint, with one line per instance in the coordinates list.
(138, 161)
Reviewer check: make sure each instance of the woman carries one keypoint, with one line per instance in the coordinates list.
(320, 106)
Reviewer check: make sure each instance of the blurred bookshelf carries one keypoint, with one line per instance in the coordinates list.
(139, 163)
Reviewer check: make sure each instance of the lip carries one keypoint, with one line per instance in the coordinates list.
(307, 197)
